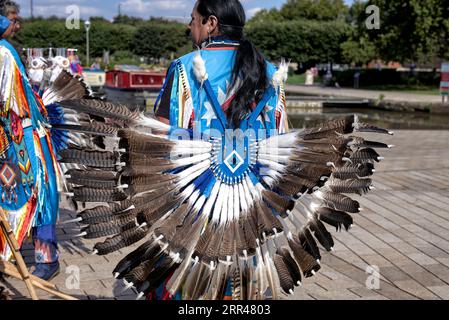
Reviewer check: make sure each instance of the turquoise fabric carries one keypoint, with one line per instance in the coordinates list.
(48, 196)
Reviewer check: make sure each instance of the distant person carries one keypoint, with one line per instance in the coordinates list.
(11, 10)
(314, 71)
(357, 79)
(309, 77)
(95, 66)
(328, 78)
(75, 66)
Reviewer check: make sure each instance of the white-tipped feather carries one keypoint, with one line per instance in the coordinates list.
(277, 158)
(230, 211)
(179, 276)
(199, 68)
(248, 195)
(193, 144)
(281, 75)
(280, 141)
(236, 202)
(219, 204)
(272, 165)
(269, 181)
(193, 172)
(211, 200)
(255, 191)
(224, 209)
(242, 196)
(152, 123)
(192, 199)
(200, 203)
(277, 151)
(188, 191)
(272, 276)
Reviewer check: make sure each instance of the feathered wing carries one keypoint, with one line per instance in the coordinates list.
(210, 236)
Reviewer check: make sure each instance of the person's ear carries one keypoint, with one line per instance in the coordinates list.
(212, 24)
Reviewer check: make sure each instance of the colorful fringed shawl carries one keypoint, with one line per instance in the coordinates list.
(28, 169)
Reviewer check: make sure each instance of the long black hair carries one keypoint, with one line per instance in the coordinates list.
(250, 64)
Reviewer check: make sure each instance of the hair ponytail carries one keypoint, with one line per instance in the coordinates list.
(250, 66)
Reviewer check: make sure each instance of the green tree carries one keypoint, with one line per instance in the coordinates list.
(410, 31)
(301, 40)
(360, 51)
(267, 16)
(323, 10)
(359, 48)
(156, 39)
(125, 19)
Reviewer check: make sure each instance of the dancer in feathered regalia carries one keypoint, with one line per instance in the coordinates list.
(28, 168)
(225, 200)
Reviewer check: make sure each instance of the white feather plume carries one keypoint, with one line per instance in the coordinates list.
(199, 68)
(281, 75)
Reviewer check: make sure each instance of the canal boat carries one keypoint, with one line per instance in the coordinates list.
(135, 87)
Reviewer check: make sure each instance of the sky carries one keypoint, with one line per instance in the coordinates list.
(179, 9)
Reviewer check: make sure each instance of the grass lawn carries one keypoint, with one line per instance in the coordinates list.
(300, 79)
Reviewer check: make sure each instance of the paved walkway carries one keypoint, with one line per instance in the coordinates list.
(363, 94)
(403, 231)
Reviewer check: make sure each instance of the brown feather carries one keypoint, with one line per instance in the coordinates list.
(305, 261)
(203, 242)
(156, 212)
(227, 245)
(151, 146)
(354, 171)
(120, 241)
(358, 186)
(285, 278)
(329, 129)
(291, 265)
(102, 109)
(211, 253)
(340, 202)
(277, 202)
(176, 218)
(266, 220)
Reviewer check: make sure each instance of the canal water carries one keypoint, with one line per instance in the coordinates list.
(306, 117)
(303, 118)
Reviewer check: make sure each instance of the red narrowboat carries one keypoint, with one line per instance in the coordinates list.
(133, 86)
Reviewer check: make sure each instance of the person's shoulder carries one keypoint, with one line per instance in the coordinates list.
(6, 51)
(271, 69)
(185, 59)
(4, 46)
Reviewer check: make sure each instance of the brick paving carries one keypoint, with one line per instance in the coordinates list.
(403, 231)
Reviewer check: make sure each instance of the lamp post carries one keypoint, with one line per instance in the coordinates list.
(87, 26)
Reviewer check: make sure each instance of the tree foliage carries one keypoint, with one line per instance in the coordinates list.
(359, 51)
(322, 10)
(300, 40)
(302, 30)
(155, 39)
(151, 38)
(410, 31)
